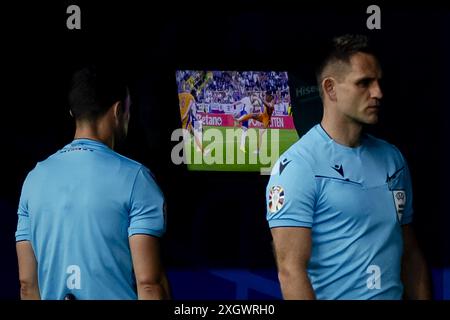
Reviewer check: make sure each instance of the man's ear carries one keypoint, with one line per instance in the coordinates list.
(329, 88)
(117, 109)
(71, 114)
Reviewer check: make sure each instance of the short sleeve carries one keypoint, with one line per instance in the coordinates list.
(400, 184)
(405, 181)
(147, 206)
(291, 194)
(23, 224)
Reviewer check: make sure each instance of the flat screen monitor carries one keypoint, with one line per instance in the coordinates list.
(234, 120)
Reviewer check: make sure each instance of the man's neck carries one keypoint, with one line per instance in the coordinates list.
(91, 131)
(347, 133)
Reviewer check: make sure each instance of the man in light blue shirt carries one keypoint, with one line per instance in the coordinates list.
(339, 201)
(89, 218)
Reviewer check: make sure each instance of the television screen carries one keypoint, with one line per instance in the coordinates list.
(234, 120)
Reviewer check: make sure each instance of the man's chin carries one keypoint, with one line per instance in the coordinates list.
(368, 122)
(372, 121)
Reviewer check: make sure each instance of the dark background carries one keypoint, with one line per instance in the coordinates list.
(216, 219)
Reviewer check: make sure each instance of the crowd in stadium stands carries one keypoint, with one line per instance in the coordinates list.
(226, 87)
(230, 86)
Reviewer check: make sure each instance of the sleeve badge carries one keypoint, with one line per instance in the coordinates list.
(276, 198)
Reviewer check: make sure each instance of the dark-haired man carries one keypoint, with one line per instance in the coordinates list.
(89, 218)
(339, 201)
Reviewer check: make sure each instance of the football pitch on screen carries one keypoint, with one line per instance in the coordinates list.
(273, 145)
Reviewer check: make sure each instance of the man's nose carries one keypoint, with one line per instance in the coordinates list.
(376, 91)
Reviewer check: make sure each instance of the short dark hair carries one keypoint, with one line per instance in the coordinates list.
(341, 50)
(94, 89)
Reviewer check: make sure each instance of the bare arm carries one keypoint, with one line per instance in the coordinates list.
(292, 253)
(29, 288)
(415, 275)
(151, 280)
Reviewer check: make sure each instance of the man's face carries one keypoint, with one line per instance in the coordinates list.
(358, 94)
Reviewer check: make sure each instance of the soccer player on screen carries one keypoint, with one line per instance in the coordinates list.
(246, 105)
(339, 201)
(264, 117)
(90, 219)
(189, 119)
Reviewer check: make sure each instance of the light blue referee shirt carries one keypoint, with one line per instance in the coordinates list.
(78, 208)
(355, 201)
